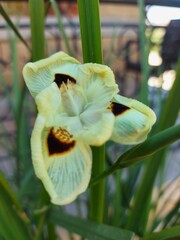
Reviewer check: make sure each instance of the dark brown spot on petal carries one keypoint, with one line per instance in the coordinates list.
(59, 142)
(117, 108)
(63, 78)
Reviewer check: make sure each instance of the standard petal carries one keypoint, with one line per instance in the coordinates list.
(41, 74)
(99, 85)
(133, 120)
(62, 164)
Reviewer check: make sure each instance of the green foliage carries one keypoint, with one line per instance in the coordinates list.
(14, 222)
(12, 26)
(89, 229)
(142, 151)
(167, 234)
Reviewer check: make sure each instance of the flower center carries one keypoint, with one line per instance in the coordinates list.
(63, 135)
(73, 98)
(61, 78)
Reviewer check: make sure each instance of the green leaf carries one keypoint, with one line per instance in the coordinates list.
(12, 26)
(14, 223)
(167, 234)
(5, 88)
(15, 74)
(151, 146)
(89, 229)
(174, 214)
(143, 150)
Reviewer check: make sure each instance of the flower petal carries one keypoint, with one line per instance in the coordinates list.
(99, 84)
(93, 128)
(62, 164)
(41, 74)
(48, 101)
(133, 120)
(97, 126)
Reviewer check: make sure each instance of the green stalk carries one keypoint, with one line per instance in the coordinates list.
(143, 96)
(96, 209)
(92, 52)
(117, 200)
(41, 222)
(36, 9)
(51, 231)
(90, 30)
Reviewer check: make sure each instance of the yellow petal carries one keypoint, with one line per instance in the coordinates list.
(99, 85)
(62, 164)
(41, 74)
(133, 120)
(97, 126)
(48, 100)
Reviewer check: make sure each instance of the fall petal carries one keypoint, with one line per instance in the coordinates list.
(133, 120)
(62, 164)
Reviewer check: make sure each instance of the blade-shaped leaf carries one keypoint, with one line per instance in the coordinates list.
(143, 150)
(167, 234)
(89, 229)
(12, 26)
(13, 221)
(61, 27)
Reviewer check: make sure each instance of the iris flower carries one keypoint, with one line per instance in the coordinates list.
(78, 107)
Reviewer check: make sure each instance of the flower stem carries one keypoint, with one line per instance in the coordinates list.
(92, 52)
(90, 30)
(36, 9)
(96, 209)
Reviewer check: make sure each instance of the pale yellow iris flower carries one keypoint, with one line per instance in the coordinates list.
(78, 107)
